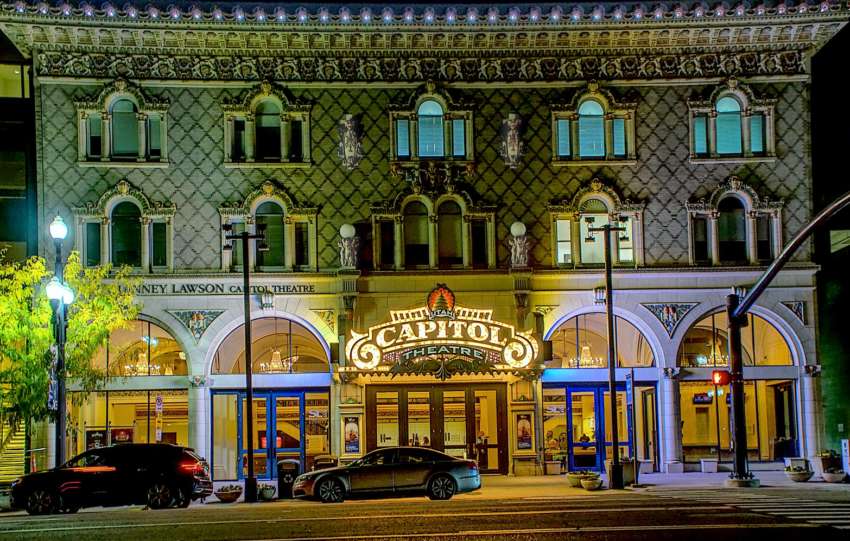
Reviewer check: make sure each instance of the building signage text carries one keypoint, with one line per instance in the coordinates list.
(218, 288)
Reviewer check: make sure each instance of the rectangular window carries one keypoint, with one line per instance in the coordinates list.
(563, 133)
(158, 239)
(620, 137)
(700, 136)
(564, 248)
(387, 245)
(94, 132)
(764, 239)
(591, 136)
(700, 240)
(92, 244)
(237, 151)
(125, 134)
(625, 243)
(296, 141)
(154, 137)
(757, 134)
(430, 136)
(728, 133)
(402, 138)
(302, 244)
(459, 138)
(479, 243)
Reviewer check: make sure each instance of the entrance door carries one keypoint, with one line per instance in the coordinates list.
(468, 421)
(278, 431)
(589, 426)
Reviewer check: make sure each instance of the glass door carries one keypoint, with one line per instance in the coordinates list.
(487, 431)
(454, 423)
(583, 416)
(260, 433)
(288, 433)
(623, 425)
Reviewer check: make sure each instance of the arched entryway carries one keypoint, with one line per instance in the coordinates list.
(770, 392)
(291, 409)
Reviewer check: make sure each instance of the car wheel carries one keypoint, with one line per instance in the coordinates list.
(441, 487)
(41, 502)
(330, 491)
(160, 495)
(182, 499)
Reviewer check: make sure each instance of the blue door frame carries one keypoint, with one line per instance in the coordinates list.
(270, 451)
(600, 444)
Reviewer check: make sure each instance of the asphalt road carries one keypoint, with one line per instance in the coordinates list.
(605, 515)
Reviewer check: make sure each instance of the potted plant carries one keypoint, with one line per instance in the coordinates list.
(266, 491)
(798, 474)
(834, 475)
(574, 478)
(228, 493)
(825, 460)
(591, 481)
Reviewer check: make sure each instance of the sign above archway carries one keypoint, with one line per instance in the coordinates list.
(441, 339)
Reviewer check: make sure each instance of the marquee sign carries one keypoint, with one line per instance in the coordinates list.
(441, 338)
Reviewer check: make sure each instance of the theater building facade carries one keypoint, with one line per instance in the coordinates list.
(427, 181)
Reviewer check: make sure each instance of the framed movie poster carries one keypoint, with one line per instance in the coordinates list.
(95, 439)
(351, 434)
(122, 435)
(524, 431)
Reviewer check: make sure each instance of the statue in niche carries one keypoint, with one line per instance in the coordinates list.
(350, 141)
(349, 246)
(519, 246)
(511, 144)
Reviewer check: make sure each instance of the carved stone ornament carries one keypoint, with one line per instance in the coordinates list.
(350, 149)
(511, 146)
(123, 190)
(326, 316)
(196, 321)
(734, 185)
(519, 251)
(670, 313)
(348, 250)
(798, 308)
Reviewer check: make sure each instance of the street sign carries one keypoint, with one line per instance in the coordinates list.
(845, 454)
(159, 404)
(630, 388)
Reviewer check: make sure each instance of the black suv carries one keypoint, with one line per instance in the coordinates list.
(157, 474)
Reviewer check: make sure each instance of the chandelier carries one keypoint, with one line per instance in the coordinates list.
(141, 367)
(586, 359)
(276, 363)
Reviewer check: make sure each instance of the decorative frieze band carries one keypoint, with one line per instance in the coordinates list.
(406, 69)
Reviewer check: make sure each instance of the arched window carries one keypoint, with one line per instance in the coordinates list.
(142, 349)
(581, 342)
(594, 214)
(126, 222)
(732, 230)
(279, 346)
(268, 131)
(728, 126)
(450, 233)
(705, 343)
(270, 216)
(591, 130)
(415, 234)
(431, 134)
(125, 129)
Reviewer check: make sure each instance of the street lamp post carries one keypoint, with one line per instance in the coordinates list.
(616, 477)
(61, 296)
(244, 237)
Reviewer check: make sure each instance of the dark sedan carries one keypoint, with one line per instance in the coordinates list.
(158, 475)
(392, 471)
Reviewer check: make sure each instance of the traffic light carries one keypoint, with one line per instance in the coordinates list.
(721, 377)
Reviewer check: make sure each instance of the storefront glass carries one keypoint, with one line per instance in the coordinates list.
(141, 349)
(706, 420)
(105, 418)
(705, 345)
(582, 342)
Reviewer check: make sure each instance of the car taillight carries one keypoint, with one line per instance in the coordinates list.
(195, 468)
(472, 465)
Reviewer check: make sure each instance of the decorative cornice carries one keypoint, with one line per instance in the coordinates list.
(596, 187)
(267, 191)
(121, 87)
(247, 102)
(734, 185)
(125, 190)
(710, 95)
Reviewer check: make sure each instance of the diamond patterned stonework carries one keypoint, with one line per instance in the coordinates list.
(670, 314)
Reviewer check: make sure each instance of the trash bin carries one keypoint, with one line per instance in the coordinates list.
(320, 462)
(287, 470)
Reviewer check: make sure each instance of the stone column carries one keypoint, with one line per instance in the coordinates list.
(169, 244)
(105, 136)
(466, 242)
(146, 242)
(141, 120)
(285, 128)
(433, 258)
(104, 241)
(288, 244)
(575, 239)
(713, 238)
(745, 134)
(398, 256)
(491, 243)
(249, 138)
(776, 237)
(229, 131)
(752, 246)
(305, 140)
(609, 137)
(810, 412)
(250, 258)
(199, 409)
(671, 424)
(163, 136)
(82, 137)
(711, 128)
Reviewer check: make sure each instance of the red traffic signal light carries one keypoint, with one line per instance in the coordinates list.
(721, 377)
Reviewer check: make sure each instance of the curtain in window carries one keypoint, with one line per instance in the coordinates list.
(402, 138)
(459, 138)
(450, 234)
(271, 215)
(728, 125)
(591, 130)
(268, 130)
(619, 125)
(125, 129)
(700, 136)
(430, 124)
(757, 134)
(126, 235)
(94, 129)
(563, 132)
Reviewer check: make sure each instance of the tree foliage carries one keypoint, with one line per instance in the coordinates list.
(103, 302)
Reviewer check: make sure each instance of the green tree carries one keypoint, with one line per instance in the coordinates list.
(103, 302)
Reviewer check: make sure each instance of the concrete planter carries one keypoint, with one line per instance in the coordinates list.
(552, 467)
(708, 465)
(229, 496)
(591, 483)
(834, 477)
(628, 471)
(799, 476)
(574, 479)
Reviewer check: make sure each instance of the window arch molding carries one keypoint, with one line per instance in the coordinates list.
(244, 143)
(609, 140)
(300, 245)
(749, 138)
(454, 143)
(94, 236)
(477, 230)
(763, 224)
(97, 131)
(569, 226)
